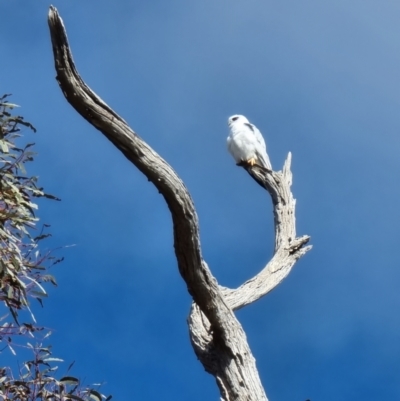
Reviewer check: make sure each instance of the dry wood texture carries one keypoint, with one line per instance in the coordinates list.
(217, 337)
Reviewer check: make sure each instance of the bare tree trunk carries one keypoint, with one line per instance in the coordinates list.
(216, 335)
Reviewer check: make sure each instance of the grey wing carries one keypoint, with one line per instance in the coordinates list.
(260, 146)
(263, 156)
(259, 137)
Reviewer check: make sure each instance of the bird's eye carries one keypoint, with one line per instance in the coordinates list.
(234, 118)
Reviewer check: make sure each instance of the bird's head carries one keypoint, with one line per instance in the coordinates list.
(237, 119)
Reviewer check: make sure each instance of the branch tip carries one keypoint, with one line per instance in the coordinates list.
(298, 243)
(287, 164)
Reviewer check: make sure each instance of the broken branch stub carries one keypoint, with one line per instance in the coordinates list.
(217, 337)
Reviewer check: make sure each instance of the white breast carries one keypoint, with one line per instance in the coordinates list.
(241, 146)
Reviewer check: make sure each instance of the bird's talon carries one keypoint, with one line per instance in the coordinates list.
(252, 161)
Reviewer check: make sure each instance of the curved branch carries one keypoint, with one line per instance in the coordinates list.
(201, 285)
(235, 369)
(288, 248)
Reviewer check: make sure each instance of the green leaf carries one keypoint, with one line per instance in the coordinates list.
(53, 360)
(9, 105)
(38, 294)
(12, 349)
(73, 397)
(94, 395)
(69, 380)
(49, 277)
(4, 146)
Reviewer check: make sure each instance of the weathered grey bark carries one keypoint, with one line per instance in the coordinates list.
(217, 337)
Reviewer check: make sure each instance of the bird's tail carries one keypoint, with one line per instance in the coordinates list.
(264, 159)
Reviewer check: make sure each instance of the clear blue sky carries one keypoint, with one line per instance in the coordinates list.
(320, 79)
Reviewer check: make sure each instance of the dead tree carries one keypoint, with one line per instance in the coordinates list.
(217, 336)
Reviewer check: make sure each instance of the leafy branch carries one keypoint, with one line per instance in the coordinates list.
(24, 273)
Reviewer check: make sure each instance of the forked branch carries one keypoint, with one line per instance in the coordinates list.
(288, 247)
(217, 336)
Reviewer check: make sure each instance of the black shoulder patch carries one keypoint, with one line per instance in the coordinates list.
(249, 125)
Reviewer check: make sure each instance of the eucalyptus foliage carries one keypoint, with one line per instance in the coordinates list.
(24, 272)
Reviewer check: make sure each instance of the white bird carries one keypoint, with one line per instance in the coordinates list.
(245, 142)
